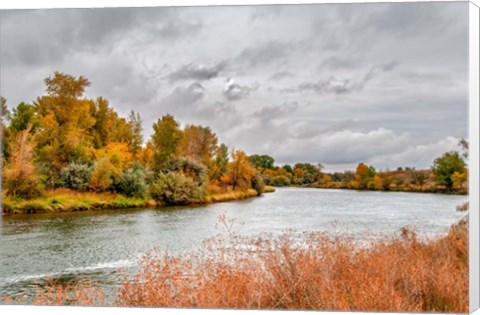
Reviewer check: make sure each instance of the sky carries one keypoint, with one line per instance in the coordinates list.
(337, 84)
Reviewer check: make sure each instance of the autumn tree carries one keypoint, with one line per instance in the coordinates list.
(363, 178)
(240, 171)
(306, 173)
(20, 178)
(64, 123)
(165, 139)
(198, 144)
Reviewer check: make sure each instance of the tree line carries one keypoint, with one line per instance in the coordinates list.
(448, 173)
(64, 140)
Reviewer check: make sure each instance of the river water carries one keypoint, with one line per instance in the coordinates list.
(96, 244)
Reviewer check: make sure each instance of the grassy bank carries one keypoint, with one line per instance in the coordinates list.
(65, 200)
(400, 274)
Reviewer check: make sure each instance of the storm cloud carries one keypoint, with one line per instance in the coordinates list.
(339, 84)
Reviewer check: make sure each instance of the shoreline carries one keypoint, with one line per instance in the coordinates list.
(420, 191)
(63, 200)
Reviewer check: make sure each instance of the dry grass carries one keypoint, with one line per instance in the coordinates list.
(232, 195)
(269, 189)
(311, 272)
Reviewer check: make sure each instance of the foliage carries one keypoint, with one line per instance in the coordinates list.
(198, 144)
(20, 178)
(104, 175)
(165, 139)
(75, 176)
(445, 166)
(262, 162)
(177, 189)
(132, 183)
(364, 176)
(258, 184)
(240, 172)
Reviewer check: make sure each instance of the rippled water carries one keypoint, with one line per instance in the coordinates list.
(94, 245)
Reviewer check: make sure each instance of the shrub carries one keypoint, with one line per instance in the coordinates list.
(75, 176)
(258, 184)
(132, 183)
(20, 178)
(177, 189)
(104, 174)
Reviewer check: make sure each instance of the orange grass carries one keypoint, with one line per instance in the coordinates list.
(313, 271)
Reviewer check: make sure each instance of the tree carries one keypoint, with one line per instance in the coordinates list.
(262, 162)
(24, 115)
(306, 173)
(240, 171)
(364, 176)
(135, 123)
(165, 139)
(221, 163)
(445, 166)
(65, 123)
(199, 144)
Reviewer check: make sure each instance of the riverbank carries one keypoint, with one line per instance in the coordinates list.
(396, 274)
(65, 200)
(410, 189)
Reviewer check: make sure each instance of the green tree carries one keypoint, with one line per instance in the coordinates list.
(221, 163)
(445, 166)
(165, 139)
(24, 115)
(262, 162)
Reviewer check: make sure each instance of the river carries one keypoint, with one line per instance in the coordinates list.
(96, 244)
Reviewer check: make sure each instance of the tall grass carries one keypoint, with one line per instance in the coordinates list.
(315, 272)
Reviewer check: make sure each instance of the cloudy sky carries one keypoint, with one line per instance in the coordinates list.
(385, 84)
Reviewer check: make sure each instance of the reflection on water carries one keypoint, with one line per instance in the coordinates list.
(95, 244)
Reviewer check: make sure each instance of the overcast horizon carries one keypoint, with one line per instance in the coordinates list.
(337, 84)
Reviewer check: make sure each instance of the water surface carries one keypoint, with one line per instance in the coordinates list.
(95, 244)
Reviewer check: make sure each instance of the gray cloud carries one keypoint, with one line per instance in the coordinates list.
(333, 85)
(43, 36)
(281, 75)
(264, 53)
(334, 63)
(274, 112)
(183, 97)
(234, 91)
(197, 72)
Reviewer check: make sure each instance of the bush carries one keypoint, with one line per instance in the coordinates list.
(258, 184)
(104, 175)
(177, 189)
(132, 183)
(75, 176)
